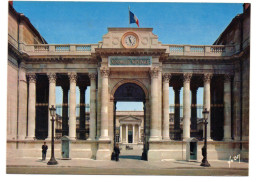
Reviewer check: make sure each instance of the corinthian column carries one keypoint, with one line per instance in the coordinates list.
(206, 101)
(72, 105)
(31, 106)
(52, 100)
(154, 129)
(92, 121)
(186, 105)
(227, 108)
(104, 103)
(166, 131)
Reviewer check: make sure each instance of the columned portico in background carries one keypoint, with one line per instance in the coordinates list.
(31, 106)
(186, 106)
(206, 101)
(104, 103)
(72, 105)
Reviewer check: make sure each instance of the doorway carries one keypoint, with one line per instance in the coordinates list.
(130, 93)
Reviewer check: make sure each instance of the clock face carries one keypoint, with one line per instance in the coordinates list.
(130, 40)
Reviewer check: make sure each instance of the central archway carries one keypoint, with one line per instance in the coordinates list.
(131, 91)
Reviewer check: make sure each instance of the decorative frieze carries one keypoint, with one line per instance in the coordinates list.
(187, 77)
(72, 77)
(154, 72)
(166, 77)
(52, 77)
(31, 77)
(104, 71)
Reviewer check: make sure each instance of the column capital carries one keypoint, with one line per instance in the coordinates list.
(31, 77)
(187, 77)
(227, 77)
(154, 72)
(207, 77)
(104, 71)
(72, 76)
(92, 76)
(52, 77)
(166, 77)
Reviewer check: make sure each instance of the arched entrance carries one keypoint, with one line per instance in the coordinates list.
(131, 91)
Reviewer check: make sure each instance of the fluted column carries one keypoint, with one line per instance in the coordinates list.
(121, 133)
(227, 108)
(72, 105)
(177, 114)
(104, 104)
(194, 110)
(166, 125)
(52, 100)
(92, 122)
(82, 121)
(154, 129)
(31, 106)
(133, 133)
(206, 101)
(65, 128)
(126, 133)
(139, 133)
(186, 105)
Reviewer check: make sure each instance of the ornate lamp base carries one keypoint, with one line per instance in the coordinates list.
(52, 161)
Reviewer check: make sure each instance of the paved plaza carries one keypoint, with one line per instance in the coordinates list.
(129, 164)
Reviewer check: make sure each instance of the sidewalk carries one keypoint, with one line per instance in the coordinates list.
(123, 163)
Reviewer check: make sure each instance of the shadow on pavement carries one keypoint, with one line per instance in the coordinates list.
(135, 157)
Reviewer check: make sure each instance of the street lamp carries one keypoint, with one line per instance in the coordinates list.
(204, 161)
(52, 160)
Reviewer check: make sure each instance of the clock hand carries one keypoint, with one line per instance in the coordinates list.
(130, 40)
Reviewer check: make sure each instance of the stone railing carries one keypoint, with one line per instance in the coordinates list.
(59, 49)
(198, 50)
(87, 49)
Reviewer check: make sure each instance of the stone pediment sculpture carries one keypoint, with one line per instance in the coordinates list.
(130, 118)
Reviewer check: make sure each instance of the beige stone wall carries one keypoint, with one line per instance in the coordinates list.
(12, 26)
(28, 36)
(12, 73)
(245, 99)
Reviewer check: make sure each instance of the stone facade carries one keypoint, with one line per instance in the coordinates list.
(117, 73)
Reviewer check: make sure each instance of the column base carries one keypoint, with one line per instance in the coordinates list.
(227, 139)
(104, 138)
(90, 139)
(29, 138)
(166, 138)
(156, 138)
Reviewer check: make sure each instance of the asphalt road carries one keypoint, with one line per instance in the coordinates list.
(127, 171)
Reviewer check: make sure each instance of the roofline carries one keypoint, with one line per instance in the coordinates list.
(26, 19)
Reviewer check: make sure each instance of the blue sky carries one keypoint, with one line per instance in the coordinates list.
(86, 22)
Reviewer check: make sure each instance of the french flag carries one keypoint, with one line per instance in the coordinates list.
(133, 18)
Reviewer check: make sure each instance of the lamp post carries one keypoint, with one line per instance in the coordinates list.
(52, 160)
(204, 161)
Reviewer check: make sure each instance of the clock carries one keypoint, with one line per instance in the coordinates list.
(130, 40)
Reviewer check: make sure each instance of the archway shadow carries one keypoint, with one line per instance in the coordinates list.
(134, 157)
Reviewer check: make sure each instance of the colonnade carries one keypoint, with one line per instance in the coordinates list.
(124, 131)
(156, 132)
(71, 125)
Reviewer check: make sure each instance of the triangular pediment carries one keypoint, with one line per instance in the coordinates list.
(129, 118)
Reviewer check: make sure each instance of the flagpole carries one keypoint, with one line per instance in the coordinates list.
(129, 15)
